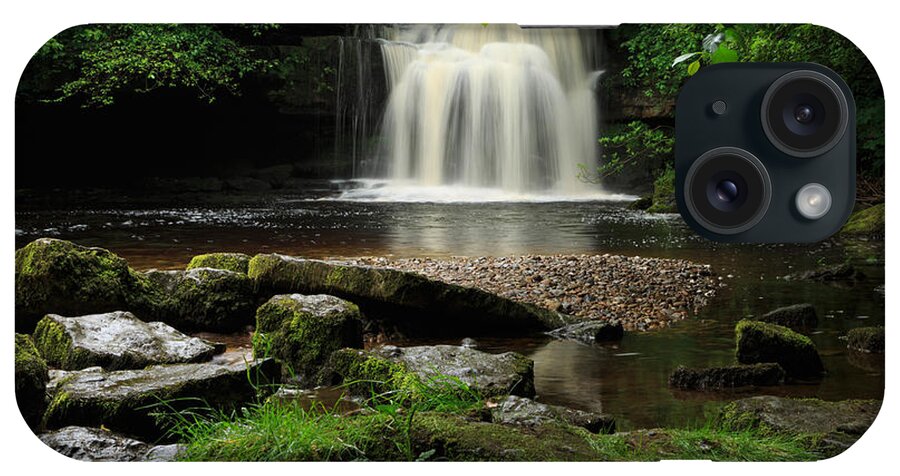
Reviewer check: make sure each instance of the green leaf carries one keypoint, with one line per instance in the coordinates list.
(684, 58)
(723, 55)
(693, 68)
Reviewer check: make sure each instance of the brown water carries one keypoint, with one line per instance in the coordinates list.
(627, 380)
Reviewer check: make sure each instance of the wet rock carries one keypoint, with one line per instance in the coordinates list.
(715, 378)
(411, 301)
(185, 184)
(31, 378)
(302, 331)
(866, 339)
(391, 368)
(205, 299)
(277, 175)
(837, 425)
(796, 317)
(114, 341)
(759, 342)
(60, 277)
(515, 410)
(127, 400)
(837, 273)
(591, 331)
(236, 262)
(93, 444)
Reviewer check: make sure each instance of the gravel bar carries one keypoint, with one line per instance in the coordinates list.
(641, 293)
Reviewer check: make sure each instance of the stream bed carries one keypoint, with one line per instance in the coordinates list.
(627, 380)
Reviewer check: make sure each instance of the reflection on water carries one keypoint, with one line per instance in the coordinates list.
(627, 380)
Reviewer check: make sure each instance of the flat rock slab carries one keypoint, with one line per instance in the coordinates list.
(490, 374)
(839, 423)
(717, 378)
(413, 302)
(127, 399)
(515, 410)
(93, 444)
(115, 341)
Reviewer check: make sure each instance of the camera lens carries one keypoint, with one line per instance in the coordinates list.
(804, 113)
(727, 190)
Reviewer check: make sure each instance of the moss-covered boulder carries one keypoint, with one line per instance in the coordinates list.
(866, 339)
(60, 277)
(664, 193)
(717, 378)
(763, 342)
(839, 274)
(204, 299)
(236, 262)
(797, 317)
(129, 400)
(31, 377)
(514, 410)
(114, 341)
(869, 221)
(411, 302)
(832, 426)
(303, 331)
(405, 369)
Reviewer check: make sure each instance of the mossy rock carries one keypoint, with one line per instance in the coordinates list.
(411, 302)
(717, 378)
(60, 277)
(130, 400)
(664, 193)
(869, 221)
(115, 341)
(759, 342)
(405, 369)
(523, 411)
(236, 262)
(303, 331)
(866, 339)
(203, 299)
(830, 426)
(797, 317)
(31, 377)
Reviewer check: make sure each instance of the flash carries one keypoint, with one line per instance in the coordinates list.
(813, 201)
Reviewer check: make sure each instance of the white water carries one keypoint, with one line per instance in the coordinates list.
(494, 112)
(409, 191)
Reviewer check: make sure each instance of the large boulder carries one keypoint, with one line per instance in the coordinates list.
(57, 276)
(303, 331)
(131, 400)
(31, 378)
(591, 332)
(866, 339)
(763, 342)
(834, 425)
(869, 221)
(206, 299)
(514, 410)
(796, 317)
(93, 444)
(715, 378)
(114, 341)
(392, 368)
(410, 301)
(236, 262)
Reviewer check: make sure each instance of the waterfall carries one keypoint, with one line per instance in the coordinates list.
(496, 107)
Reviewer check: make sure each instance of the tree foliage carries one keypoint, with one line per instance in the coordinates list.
(94, 63)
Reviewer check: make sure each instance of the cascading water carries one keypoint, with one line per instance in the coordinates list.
(490, 107)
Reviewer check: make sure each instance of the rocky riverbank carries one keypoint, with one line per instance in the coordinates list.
(641, 293)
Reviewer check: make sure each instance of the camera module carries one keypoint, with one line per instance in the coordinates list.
(804, 113)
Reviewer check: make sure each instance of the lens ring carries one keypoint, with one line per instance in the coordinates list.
(840, 102)
(752, 166)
